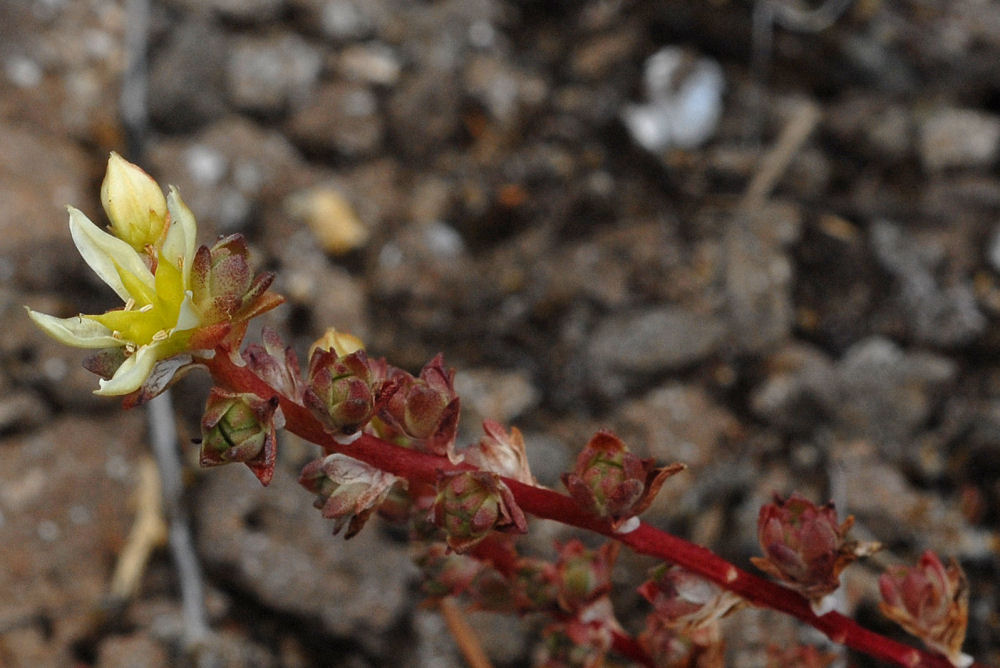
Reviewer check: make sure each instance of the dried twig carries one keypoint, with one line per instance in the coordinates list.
(465, 637)
(149, 531)
(774, 164)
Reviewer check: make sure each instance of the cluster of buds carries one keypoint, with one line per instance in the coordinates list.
(178, 300)
(240, 427)
(348, 491)
(582, 582)
(610, 481)
(806, 548)
(471, 504)
(931, 601)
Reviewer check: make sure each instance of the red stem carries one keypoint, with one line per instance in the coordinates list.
(545, 503)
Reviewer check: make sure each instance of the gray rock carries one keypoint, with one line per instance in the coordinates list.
(64, 516)
(885, 393)
(647, 342)
(268, 75)
(506, 92)
(340, 118)
(22, 409)
(274, 545)
(330, 295)
(188, 75)
(888, 505)
(493, 394)
(677, 423)
(944, 315)
(423, 111)
(952, 137)
(137, 650)
(345, 19)
(758, 279)
(799, 391)
(225, 172)
(39, 175)
(244, 11)
(372, 63)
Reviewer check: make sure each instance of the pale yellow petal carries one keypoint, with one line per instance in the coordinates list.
(131, 374)
(77, 331)
(182, 235)
(102, 251)
(188, 317)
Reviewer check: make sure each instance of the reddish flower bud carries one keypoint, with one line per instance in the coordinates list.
(931, 601)
(424, 409)
(340, 390)
(470, 504)
(612, 482)
(501, 453)
(223, 286)
(689, 603)
(349, 490)
(805, 547)
(240, 428)
(582, 575)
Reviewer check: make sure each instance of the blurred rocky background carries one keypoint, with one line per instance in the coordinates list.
(765, 246)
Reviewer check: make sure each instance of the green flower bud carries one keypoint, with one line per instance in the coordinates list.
(239, 427)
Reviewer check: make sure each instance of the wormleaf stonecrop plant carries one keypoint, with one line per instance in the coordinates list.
(386, 445)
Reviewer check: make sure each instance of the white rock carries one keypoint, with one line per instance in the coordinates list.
(685, 101)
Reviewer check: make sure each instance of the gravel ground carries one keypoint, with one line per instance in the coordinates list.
(777, 260)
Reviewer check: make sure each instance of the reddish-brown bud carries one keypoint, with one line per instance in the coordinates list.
(348, 490)
(931, 601)
(610, 481)
(805, 547)
(470, 504)
(425, 408)
(223, 287)
(240, 427)
(340, 390)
